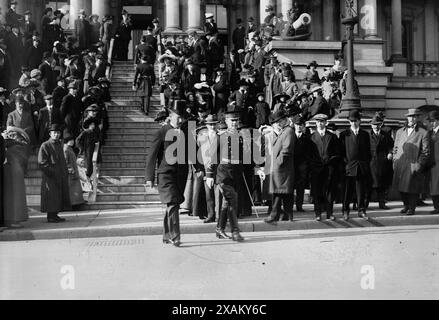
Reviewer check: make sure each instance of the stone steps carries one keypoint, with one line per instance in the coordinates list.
(123, 171)
(127, 197)
(127, 164)
(125, 157)
(124, 189)
(131, 136)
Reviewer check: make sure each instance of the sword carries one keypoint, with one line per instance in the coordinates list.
(249, 194)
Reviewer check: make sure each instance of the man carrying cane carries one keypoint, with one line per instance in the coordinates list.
(171, 178)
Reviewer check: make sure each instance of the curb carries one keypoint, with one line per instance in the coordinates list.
(250, 226)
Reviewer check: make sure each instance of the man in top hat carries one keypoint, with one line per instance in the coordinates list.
(434, 160)
(411, 156)
(55, 194)
(224, 173)
(28, 26)
(172, 169)
(144, 80)
(324, 157)
(12, 17)
(238, 36)
(319, 104)
(381, 149)
(46, 117)
(15, 51)
(210, 27)
(82, 30)
(355, 149)
(280, 166)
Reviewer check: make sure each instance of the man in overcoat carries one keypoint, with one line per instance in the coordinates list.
(71, 110)
(281, 168)
(381, 149)
(355, 149)
(411, 155)
(171, 180)
(82, 30)
(323, 162)
(434, 160)
(144, 80)
(55, 194)
(301, 156)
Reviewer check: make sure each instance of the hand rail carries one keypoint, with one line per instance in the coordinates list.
(110, 54)
(95, 175)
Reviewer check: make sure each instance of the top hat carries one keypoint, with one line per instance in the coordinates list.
(211, 119)
(413, 112)
(320, 117)
(55, 127)
(238, 21)
(377, 119)
(178, 107)
(434, 115)
(277, 116)
(251, 19)
(312, 63)
(354, 115)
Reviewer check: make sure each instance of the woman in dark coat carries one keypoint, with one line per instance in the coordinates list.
(55, 194)
(95, 29)
(222, 91)
(16, 155)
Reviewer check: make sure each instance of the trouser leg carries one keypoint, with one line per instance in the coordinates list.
(196, 194)
(210, 201)
(276, 206)
(288, 201)
(435, 202)
(360, 185)
(230, 206)
(218, 202)
(412, 200)
(171, 222)
(405, 199)
(348, 193)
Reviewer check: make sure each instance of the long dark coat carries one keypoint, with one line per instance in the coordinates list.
(356, 153)
(282, 162)
(411, 155)
(45, 120)
(71, 110)
(33, 56)
(23, 121)
(380, 167)
(144, 79)
(82, 32)
(55, 194)
(48, 77)
(222, 92)
(171, 177)
(434, 171)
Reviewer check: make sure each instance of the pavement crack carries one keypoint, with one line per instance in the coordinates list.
(94, 219)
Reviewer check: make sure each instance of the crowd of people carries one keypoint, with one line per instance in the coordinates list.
(257, 103)
(53, 89)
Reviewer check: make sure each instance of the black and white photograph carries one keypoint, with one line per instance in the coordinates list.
(197, 151)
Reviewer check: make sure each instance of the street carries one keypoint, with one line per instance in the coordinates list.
(363, 263)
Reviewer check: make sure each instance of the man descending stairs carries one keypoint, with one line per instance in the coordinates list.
(121, 176)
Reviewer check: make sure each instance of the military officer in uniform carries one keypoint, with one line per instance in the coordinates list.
(227, 169)
(171, 181)
(144, 80)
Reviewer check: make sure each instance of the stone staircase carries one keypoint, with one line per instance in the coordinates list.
(122, 172)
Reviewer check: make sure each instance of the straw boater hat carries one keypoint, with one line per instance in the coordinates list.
(209, 15)
(320, 117)
(413, 112)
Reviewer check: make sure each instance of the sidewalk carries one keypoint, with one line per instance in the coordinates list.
(138, 222)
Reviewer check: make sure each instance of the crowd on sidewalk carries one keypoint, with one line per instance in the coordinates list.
(53, 89)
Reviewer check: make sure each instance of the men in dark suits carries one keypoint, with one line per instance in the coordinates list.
(16, 54)
(12, 17)
(324, 158)
(434, 160)
(146, 48)
(34, 54)
(45, 22)
(238, 36)
(281, 166)
(210, 27)
(123, 37)
(215, 55)
(82, 29)
(71, 110)
(144, 80)
(48, 76)
(59, 93)
(46, 117)
(411, 155)
(301, 154)
(227, 169)
(171, 180)
(241, 99)
(381, 147)
(28, 26)
(355, 148)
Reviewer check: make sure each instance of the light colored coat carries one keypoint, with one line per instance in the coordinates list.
(434, 171)
(410, 158)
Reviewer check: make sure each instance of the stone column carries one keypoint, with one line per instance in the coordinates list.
(75, 6)
(430, 34)
(328, 20)
(369, 19)
(172, 9)
(285, 6)
(396, 29)
(101, 8)
(262, 6)
(3, 9)
(194, 15)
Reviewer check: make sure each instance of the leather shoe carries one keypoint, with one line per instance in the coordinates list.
(270, 220)
(220, 234)
(410, 213)
(383, 206)
(209, 220)
(237, 237)
(53, 220)
(176, 243)
(331, 217)
(345, 216)
(363, 215)
(404, 210)
(319, 218)
(434, 212)
(60, 219)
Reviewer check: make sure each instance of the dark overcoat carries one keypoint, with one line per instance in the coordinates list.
(55, 194)
(71, 110)
(380, 167)
(411, 155)
(434, 171)
(356, 153)
(144, 79)
(82, 32)
(171, 179)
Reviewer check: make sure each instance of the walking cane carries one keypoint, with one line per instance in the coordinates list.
(249, 194)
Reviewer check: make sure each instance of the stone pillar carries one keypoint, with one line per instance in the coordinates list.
(369, 19)
(101, 8)
(396, 29)
(285, 6)
(430, 34)
(262, 6)
(194, 15)
(172, 9)
(3, 9)
(328, 20)
(75, 6)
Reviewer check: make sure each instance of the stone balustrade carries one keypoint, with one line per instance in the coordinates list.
(423, 69)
